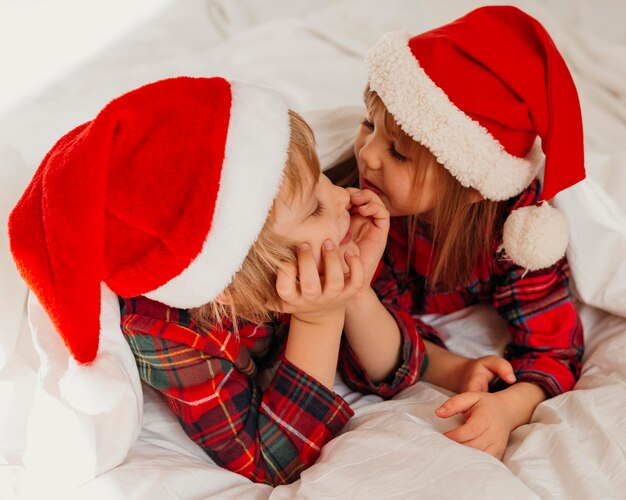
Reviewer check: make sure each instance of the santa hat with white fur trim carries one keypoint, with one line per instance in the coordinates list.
(162, 195)
(479, 93)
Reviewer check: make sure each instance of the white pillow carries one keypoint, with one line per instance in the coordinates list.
(13, 291)
(335, 130)
(65, 446)
(597, 246)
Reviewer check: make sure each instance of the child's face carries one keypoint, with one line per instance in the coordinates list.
(321, 213)
(390, 171)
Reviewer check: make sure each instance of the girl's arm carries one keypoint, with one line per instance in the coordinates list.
(384, 351)
(374, 336)
(387, 342)
(459, 374)
(378, 346)
(371, 331)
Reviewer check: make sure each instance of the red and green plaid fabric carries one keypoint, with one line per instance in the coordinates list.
(413, 361)
(208, 379)
(217, 385)
(546, 345)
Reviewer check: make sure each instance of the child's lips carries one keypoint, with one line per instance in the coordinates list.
(365, 184)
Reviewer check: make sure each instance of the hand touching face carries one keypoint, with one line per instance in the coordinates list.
(388, 169)
(369, 226)
(321, 213)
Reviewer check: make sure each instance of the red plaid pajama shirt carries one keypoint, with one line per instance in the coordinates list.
(546, 344)
(268, 426)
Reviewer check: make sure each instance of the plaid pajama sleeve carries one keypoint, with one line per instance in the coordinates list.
(547, 344)
(268, 436)
(414, 358)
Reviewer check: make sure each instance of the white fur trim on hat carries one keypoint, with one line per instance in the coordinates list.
(471, 154)
(255, 157)
(535, 237)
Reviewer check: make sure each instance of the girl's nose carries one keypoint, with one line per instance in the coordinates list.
(368, 154)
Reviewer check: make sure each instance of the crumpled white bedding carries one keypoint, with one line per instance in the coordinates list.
(575, 446)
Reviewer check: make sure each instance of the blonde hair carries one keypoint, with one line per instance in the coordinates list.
(462, 229)
(251, 295)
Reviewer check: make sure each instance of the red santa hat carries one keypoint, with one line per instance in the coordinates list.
(485, 94)
(162, 195)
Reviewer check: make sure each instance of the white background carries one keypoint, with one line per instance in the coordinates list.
(40, 40)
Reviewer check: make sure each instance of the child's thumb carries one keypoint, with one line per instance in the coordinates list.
(501, 367)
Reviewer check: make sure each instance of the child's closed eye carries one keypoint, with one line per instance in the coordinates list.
(319, 209)
(367, 124)
(395, 154)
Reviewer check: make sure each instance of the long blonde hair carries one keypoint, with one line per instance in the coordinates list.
(251, 295)
(461, 228)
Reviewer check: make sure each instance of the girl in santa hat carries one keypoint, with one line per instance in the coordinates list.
(456, 121)
(200, 203)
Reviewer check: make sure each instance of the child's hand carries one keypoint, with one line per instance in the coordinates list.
(478, 373)
(317, 298)
(370, 226)
(488, 421)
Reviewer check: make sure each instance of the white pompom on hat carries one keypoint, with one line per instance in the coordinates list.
(162, 194)
(485, 94)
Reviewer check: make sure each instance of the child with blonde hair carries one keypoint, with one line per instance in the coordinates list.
(200, 203)
(452, 142)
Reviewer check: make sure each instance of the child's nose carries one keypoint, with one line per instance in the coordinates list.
(369, 156)
(343, 198)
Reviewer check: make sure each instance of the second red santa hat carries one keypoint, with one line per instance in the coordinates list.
(478, 92)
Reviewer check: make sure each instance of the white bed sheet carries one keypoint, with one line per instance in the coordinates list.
(575, 447)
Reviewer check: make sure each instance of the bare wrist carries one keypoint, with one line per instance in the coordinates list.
(362, 298)
(458, 372)
(322, 320)
(521, 399)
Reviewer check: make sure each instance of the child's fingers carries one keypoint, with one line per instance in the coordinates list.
(286, 285)
(486, 443)
(458, 404)
(495, 450)
(310, 284)
(470, 431)
(500, 367)
(333, 271)
(480, 442)
(478, 383)
(362, 196)
(356, 279)
(374, 210)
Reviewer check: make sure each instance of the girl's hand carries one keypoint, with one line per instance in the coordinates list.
(488, 421)
(318, 298)
(479, 373)
(370, 226)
